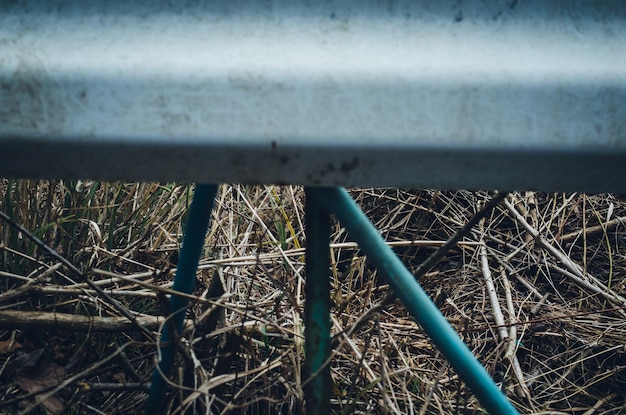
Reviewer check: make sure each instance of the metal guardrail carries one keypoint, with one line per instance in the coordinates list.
(475, 94)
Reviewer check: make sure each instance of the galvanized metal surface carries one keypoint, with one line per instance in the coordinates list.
(474, 94)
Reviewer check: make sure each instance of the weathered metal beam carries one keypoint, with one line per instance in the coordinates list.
(475, 94)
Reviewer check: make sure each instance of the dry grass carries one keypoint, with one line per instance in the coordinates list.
(537, 293)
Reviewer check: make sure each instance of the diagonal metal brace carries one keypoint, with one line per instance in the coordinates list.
(184, 281)
(417, 302)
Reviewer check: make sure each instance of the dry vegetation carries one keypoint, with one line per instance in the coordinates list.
(537, 293)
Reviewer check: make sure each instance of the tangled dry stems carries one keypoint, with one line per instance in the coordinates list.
(537, 293)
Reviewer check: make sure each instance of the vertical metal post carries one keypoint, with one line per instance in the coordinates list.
(415, 299)
(317, 310)
(184, 281)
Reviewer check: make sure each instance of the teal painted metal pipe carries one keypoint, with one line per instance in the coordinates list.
(339, 202)
(317, 310)
(184, 281)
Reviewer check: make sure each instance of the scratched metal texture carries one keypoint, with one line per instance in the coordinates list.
(474, 94)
